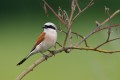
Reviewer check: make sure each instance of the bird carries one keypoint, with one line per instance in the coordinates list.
(45, 41)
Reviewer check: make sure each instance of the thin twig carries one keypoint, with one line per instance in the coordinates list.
(81, 37)
(105, 21)
(109, 29)
(73, 6)
(53, 12)
(59, 44)
(115, 13)
(99, 50)
(104, 28)
(81, 11)
(106, 42)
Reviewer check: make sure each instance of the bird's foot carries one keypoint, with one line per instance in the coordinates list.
(46, 57)
(52, 52)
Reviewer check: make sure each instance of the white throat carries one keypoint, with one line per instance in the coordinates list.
(50, 31)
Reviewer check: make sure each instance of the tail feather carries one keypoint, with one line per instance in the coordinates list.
(23, 60)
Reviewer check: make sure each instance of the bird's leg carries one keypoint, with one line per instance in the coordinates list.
(46, 56)
(52, 52)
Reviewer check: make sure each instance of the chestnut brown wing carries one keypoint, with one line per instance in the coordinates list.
(39, 40)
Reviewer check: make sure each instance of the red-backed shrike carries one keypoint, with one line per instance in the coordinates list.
(46, 40)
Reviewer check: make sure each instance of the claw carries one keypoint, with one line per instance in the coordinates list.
(46, 57)
(52, 52)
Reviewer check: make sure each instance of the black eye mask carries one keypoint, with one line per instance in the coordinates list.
(49, 26)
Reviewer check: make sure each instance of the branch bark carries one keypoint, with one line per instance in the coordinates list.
(42, 59)
(105, 21)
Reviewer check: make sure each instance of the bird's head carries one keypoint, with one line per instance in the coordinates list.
(50, 26)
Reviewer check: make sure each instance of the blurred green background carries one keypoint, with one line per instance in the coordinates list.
(21, 22)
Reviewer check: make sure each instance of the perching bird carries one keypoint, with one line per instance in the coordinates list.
(45, 41)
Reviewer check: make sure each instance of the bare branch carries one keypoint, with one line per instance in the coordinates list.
(115, 13)
(104, 28)
(53, 12)
(99, 50)
(56, 52)
(73, 6)
(46, 12)
(81, 11)
(105, 21)
(109, 29)
(59, 44)
(106, 42)
(81, 37)
(32, 67)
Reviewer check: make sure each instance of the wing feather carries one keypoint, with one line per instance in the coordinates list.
(39, 40)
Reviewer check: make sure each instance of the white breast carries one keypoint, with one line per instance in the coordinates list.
(49, 41)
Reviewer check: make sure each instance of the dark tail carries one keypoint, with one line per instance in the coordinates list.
(23, 60)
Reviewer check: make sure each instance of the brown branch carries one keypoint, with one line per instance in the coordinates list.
(30, 68)
(42, 59)
(70, 21)
(73, 6)
(81, 37)
(115, 13)
(81, 11)
(59, 44)
(92, 32)
(99, 50)
(109, 29)
(70, 24)
(104, 28)
(106, 42)
(72, 11)
(70, 39)
(53, 12)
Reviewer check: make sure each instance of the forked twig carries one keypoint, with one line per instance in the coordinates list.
(105, 21)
